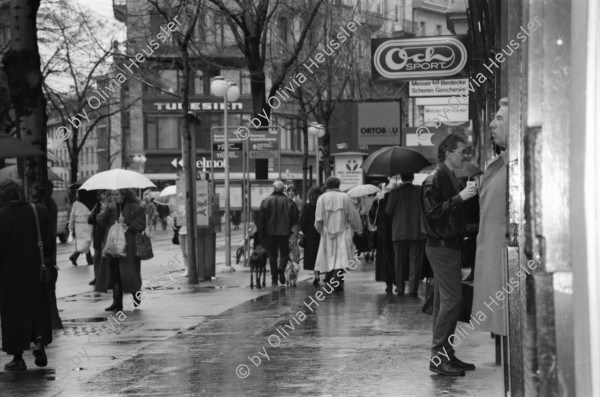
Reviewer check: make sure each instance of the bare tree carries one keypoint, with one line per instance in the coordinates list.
(250, 22)
(79, 79)
(189, 12)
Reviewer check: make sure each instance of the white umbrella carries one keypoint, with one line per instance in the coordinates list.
(117, 179)
(168, 191)
(363, 190)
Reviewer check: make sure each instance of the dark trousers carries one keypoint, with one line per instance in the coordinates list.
(97, 261)
(88, 256)
(275, 245)
(408, 255)
(447, 301)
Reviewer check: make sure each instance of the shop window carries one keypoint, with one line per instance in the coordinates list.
(246, 88)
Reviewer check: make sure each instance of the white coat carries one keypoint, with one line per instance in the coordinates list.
(335, 218)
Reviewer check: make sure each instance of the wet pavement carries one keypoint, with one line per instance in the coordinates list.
(222, 338)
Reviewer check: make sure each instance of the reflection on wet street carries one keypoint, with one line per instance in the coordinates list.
(357, 342)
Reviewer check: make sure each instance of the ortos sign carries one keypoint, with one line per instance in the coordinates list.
(425, 57)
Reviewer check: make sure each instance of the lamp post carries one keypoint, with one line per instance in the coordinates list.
(319, 131)
(229, 92)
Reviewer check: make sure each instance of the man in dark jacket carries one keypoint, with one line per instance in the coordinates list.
(442, 200)
(278, 213)
(404, 207)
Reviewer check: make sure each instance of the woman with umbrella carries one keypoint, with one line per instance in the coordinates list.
(123, 273)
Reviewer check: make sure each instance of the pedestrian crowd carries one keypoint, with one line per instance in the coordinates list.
(414, 233)
(411, 232)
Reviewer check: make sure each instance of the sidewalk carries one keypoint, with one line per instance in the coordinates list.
(211, 339)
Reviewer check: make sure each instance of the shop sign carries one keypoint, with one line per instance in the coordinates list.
(173, 106)
(348, 170)
(447, 88)
(378, 123)
(446, 113)
(418, 58)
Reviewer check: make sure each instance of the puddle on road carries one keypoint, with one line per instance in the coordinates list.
(85, 320)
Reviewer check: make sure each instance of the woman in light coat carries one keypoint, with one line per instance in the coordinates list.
(82, 232)
(336, 218)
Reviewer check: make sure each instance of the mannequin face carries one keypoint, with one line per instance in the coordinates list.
(499, 127)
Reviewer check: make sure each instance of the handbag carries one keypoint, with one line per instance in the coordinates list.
(143, 246)
(44, 271)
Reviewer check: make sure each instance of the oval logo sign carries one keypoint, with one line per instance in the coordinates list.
(425, 57)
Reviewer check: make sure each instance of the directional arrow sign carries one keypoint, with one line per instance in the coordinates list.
(175, 162)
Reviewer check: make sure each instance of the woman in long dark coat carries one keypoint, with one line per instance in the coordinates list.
(312, 238)
(122, 274)
(384, 256)
(24, 301)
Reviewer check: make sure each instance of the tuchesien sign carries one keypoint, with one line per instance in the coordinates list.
(418, 58)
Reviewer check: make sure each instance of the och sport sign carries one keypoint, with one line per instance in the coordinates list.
(419, 58)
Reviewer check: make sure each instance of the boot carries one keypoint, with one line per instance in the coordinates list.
(39, 352)
(73, 258)
(89, 258)
(117, 304)
(17, 364)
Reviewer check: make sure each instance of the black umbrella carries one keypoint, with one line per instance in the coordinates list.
(11, 147)
(394, 160)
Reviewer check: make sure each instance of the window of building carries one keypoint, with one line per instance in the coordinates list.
(162, 132)
(168, 81)
(199, 83)
(396, 13)
(422, 31)
(438, 30)
(231, 75)
(246, 88)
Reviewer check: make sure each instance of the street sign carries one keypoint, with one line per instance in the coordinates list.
(264, 143)
(175, 162)
(236, 147)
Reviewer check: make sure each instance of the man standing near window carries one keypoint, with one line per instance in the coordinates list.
(442, 200)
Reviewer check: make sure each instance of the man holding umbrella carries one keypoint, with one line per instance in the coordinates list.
(442, 200)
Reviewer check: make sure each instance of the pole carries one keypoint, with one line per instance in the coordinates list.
(228, 267)
(318, 160)
(189, 154)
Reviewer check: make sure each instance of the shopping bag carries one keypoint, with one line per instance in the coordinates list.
(143, 246)
(115, 242)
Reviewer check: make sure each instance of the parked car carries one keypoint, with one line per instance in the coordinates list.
(61, 197)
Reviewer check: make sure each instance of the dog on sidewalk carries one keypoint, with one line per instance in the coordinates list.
(291, 273)
(258, 264)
